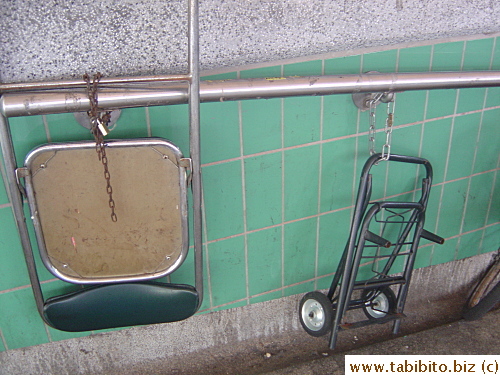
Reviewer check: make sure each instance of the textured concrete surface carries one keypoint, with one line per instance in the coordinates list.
(242, 340)
(54, 39)
(458, 338)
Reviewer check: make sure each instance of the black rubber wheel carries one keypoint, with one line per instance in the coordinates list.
(316, 314)
(484, 305)
(379, 302)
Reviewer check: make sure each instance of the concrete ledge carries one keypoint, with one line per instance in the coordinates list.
(240, 338)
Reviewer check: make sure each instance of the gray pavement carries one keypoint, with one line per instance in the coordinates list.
(480, 337)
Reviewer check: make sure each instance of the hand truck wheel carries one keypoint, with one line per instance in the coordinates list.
(316, 314)
(379, 302)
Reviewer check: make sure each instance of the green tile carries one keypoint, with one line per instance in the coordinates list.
(223, 199)
(185, 273)
(43, 273)
(20, 323)
(300, 251)
(337, 174)
(496, 55)
(302, 120)
(261, 121)
(4, 198)
(489, 139)
(307, 68)
(423, 258)
(447, 56)
(477, 54)
(435, 146)
(271, 71)
(494, 214)
(364, 272)
(333, 235)
(172, 123)
(2, 346)
(441, 103)
(431, 213)
(415, 59)
(469, 244)
(404, 177)
(215, 77)
(299, 289)
(405, 141)
(63, 127)
(131, 124)
(263, 190)
(452, 207)
(491, 239)
(220, 134)
(343, 65)
(266, 297)
(493, 97)
(462, 146)
(27, 133)
(227, 270)
(409, 107)
(12, 267)
(340, 116)
(444, 253)
(324, 282)
(301, 182)
(481, 186)
(383, 62)
(471, 99)
(264, 260)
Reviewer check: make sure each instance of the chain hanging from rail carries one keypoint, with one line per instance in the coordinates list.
(390, 99)
(99, 128)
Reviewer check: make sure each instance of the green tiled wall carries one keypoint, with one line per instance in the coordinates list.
(280, 176)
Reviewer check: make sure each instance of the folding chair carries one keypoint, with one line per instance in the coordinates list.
(116, 260)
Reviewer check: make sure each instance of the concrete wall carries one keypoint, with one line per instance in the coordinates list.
(54, 39)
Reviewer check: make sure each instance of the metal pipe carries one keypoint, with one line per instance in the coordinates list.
(194, 142)
(105, 81)
(9, 158)
(37, 103)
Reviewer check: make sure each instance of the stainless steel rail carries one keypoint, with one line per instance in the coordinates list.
(159, 91)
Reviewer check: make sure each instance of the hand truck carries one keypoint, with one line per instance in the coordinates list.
(383, 235)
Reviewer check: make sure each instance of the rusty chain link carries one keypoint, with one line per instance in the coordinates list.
(99, 123)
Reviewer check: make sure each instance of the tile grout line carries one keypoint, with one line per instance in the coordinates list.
(348, 207)
(488, 210)
(320, 177)
(333, 273)
(148, 121)
(282, 103)
(244, 203)
(46, 127)
(355, 135)
(204, 248)
(4, 342)
(457, 97)
(469, 183)
(457, 247)
(422, 130)
(492, 191)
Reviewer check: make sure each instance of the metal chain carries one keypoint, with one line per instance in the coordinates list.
(99, 129)
(372, 103)
(386, 149)
(373, 122)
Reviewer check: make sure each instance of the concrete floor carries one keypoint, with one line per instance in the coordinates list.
(303, 355)
(460, 338)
